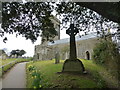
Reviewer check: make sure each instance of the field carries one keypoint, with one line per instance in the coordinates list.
(45, 72)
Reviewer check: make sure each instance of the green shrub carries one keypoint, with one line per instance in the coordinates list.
(30, 68)
(99, 53)
(37, 82)
(100, 82)
(37, 77)
(106, 53)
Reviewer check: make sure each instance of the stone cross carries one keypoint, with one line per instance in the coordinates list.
(73, 64)
(72, 31)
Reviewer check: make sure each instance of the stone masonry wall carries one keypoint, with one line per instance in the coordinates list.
(45, 52)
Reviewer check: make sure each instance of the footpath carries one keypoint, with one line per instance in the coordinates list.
(15, 78)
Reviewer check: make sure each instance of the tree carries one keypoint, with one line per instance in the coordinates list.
(14, 52)
(110, 60)
(17, 52)
(32, 18)
(83, 18)
(22, 52)
(29, 19)
(109, 10)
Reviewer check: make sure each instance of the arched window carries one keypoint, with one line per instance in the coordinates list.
(87, 55)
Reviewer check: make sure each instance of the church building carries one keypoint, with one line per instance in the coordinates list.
(47, 50)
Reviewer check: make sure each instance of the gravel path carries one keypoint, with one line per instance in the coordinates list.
(16, 77)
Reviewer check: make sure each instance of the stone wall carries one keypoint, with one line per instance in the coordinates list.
(84, 50)
(86, 47)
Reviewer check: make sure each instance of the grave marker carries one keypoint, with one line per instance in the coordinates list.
(73, 64)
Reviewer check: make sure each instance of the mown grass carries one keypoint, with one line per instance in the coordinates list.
(101, 72)
(50, 78)
(6, 61)
(9, 63)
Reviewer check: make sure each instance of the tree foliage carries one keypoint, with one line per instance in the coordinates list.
(109, 10)
(29, 19)
(32, 19)
(22, 52)
(106, 53)
(84, 19)
(17, 52)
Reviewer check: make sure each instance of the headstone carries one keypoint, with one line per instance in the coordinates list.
(15, 56)
(4, 57)
(73, 64)
(57, 58)
(12, 56)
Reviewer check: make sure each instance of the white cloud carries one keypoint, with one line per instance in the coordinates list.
(20, 42)
(63, 34)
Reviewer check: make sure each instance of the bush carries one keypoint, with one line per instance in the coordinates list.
(99, 53)
(107, 54)
(100, 81)
(37, 77)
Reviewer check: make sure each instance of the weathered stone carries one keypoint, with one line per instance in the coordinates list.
(82, 47)
(57, 58)
(73, 66)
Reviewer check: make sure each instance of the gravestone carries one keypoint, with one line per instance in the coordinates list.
(57, 58)
(73, 64)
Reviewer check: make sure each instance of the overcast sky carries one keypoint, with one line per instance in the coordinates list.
(20, 42)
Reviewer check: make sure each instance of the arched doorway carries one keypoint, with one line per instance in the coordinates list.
(87, 55)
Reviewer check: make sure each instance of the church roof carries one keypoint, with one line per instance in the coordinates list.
(77, 38)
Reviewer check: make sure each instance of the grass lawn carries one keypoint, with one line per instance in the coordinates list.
(3, 62)
(8, 63)
(0, 62)
(51, 79)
